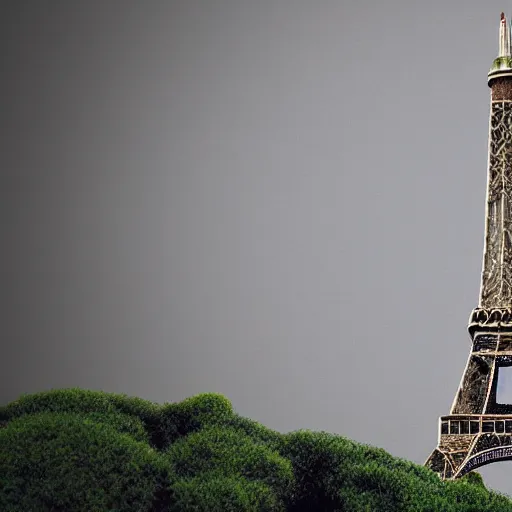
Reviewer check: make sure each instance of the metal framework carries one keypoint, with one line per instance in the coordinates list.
(478, 429)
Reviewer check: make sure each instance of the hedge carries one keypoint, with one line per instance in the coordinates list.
(68, 462)
(225, 452)
(78, 450)
(335, 473)
(216, 493)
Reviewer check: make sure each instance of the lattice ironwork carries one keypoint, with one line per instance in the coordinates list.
(496, 290)
(478, 430)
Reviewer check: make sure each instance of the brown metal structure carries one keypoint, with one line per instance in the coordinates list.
(478, 429)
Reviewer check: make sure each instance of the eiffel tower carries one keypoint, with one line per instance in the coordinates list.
(478, 430)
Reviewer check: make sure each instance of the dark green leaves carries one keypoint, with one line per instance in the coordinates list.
(77, 450)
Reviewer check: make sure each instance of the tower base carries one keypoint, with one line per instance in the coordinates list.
(478, 430)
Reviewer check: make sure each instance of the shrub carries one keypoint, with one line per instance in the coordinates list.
(474, 478)
(216, 493)
(76, 400)
(224, 452)
(76, 450)
(182, 418)
(474, 498)
(334, 473)
(316, 458)
(122, 423)
(63, 462)
(256, 431)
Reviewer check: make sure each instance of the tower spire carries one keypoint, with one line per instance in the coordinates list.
(505, 43)
(502, 65)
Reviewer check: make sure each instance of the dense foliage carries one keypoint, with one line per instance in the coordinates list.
(77, 450)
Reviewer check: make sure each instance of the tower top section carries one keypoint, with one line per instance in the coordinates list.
(502, 65)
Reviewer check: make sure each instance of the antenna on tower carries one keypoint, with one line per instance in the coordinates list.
(505, 43)
(502, 64)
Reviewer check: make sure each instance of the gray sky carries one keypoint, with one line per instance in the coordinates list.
(281, 201)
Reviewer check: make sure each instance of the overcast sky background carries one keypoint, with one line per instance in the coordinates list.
(278, 200)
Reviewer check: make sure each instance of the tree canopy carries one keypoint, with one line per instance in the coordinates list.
(78, 450)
